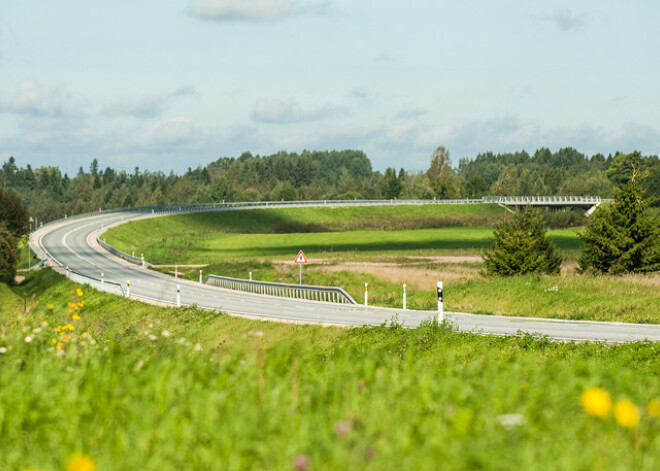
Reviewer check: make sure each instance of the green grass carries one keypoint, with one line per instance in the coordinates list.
(219, 392)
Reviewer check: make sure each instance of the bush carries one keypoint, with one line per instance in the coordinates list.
(8, 257)
(520, 246)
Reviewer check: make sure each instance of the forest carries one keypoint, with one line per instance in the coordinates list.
(346, 174)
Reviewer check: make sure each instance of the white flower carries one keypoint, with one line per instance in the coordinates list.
(165, 333)
(198, 347)
(510, 421)
(152, 337)
(36, 330)
(3, 350)
(28, 339)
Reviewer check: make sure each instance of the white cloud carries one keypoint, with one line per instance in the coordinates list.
(146, 106)
(566, 20)
(285, 112)
(253, 10)
(34, 99)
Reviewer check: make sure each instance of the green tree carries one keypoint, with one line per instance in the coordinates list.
(441, 176)
(13, 213)
(8, 256)
(622, 237)
(520, 246)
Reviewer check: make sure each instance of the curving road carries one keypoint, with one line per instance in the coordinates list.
(72, 243)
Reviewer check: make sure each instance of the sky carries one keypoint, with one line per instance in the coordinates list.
(171, 84)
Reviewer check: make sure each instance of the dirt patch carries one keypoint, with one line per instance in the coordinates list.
(19, 278)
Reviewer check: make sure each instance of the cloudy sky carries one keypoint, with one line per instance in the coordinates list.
(168, 84)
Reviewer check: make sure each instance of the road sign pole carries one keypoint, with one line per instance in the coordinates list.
(441, 314)
(300, 277)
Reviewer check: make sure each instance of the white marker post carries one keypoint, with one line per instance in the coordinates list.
(200, 276)
(404, 296)
(178, 295)
(142, 257)
(128, 288)
(366, 293)
(441, 314)
(101, 280)
(67, 272)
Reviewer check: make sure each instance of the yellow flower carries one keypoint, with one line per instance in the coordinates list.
(81, 303)
(51, 307)
(596, 401)
(80, 462)
(626, 413)
(68, 326)
(75, 317)
(79, 292)
(653, 408)
(54, 341)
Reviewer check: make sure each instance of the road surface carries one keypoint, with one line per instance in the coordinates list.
(73, 244)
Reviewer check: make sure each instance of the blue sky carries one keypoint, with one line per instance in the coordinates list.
(171, 84)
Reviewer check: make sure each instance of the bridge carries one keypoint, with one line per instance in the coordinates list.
(547, 201)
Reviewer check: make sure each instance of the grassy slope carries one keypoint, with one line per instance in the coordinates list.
(240, 394)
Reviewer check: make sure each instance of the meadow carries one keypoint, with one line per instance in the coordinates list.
(386, 247)
(129, 386)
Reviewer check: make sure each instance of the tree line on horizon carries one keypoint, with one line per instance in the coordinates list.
(314, 175)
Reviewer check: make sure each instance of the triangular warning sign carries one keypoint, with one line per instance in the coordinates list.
(300, 258)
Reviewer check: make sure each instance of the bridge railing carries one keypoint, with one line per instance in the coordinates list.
(331, 294)
(545, 200)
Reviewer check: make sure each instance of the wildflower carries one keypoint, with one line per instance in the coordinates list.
(596, 401)
(54, 341)
(80, 462)
(509, 421)
(198, 347)
(51, 307)
(152, 337)
(301, 463)
(626, 413)
(79, 292)
(75, 317)
(3, 350)
(69, 326)
(165, 333)
(81, 304)
(342, 428)
(653, 408)
(28, 339)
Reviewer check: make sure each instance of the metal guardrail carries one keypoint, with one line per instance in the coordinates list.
(99, 285)
(331, 294)
(546, 200)
(123, 255)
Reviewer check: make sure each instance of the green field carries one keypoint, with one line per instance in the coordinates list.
(354, 253)
(139, 387)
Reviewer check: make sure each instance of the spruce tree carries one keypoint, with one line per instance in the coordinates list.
(520, 246)
(8, 256)
(622, 237)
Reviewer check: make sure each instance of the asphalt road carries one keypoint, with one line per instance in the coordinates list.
(72, 244)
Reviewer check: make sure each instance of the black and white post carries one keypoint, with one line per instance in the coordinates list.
(441, 314)
(366, 293)
(404, 296)
(178, 295)
(128, 288)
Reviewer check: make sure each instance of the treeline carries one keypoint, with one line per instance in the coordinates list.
(346, 174)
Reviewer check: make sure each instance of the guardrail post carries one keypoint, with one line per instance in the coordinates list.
(404, 296)
(366, 293)
(441, 314)
(178, 295)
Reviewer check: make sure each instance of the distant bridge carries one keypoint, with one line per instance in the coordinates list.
(548, 201)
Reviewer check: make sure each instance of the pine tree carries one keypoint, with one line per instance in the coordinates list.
(622, 237)
(520, 246)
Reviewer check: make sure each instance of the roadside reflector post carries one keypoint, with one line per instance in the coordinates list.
(128, 288)
(67, 272)
(133, 253)
(200, 276)
(178, 295)
(404, 296)
(366, 293)
(101, 280)
(441, 314)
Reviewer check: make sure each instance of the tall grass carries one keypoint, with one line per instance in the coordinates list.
(153, 388)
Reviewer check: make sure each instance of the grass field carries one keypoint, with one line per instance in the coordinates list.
(353, 254)
(138, 387)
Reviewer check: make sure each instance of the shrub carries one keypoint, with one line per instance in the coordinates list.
(520, 246)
